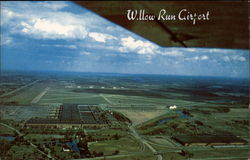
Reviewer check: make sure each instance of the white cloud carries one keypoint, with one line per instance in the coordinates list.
(6, 15)
(101, 37)
(44, 20)
(173, 52)
(138, 46)
(234, 58)
(239, 58)
(51, 29)
(5, 40)
(85, 53)
(190, 49)
(226, 58)
(217, 50)
(53, 5)
(221, 51)
(197, 58)
(60, 46)
(148, 62)
(72, 46)
(204, 57)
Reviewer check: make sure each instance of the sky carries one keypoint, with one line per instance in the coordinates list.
(62, 36)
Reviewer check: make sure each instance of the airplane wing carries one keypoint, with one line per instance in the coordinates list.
(227, 26)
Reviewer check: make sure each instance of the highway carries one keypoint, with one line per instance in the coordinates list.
(139, 138)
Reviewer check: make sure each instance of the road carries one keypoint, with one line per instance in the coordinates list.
(112, 156)
(39, 96)
(31, 144)
(139, 138)
(106, 99)
(18, 89)
(7, 126)
(222, 158)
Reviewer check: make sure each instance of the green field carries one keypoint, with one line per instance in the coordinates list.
(123, 145)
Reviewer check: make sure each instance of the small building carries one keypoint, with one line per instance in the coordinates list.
(66, 149)
(173, 107)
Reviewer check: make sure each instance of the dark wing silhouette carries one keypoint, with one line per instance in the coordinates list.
(227, 26)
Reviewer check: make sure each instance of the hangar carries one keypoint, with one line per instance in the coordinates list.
(209, 140)
(72, 115)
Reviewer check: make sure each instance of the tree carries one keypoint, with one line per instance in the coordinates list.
(101, 154)
(116, 152)
(115, 136)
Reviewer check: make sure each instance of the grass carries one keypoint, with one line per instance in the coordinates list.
(20, 152)
(80, 100)
(5, 131)
(25, 96)
(227, 153)
(60, 154)
(161, 142)
(105, 131)
(138, 117)
(123, 145)
(42, 137)
(55, 95)
(19, 113)
(134, 156)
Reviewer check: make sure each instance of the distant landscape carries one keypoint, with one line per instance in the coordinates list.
(133, 116)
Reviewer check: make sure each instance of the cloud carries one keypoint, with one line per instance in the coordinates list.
(53, 5)
(217, 50)
(5, 40)
(85, 53)
(148, 62)
(138, 46)
(198, 58)
(173, 52)
(101, 37)
(226, 58)
(50, 29)
(190, 49)
(6, 15)
(60, 46)
(204, 57)
(44, 20)
(234, 58)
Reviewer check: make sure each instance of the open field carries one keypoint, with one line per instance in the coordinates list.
(109, 147)
(39, 96)
(55, 95)
(19, 113)
(5, 131)
(24, 151)
(226, 153)
(43, 137)
(26, 96)
(138, 117)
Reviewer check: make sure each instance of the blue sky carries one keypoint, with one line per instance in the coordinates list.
(63, 36)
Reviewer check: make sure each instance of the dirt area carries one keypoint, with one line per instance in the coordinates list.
(138, 117)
